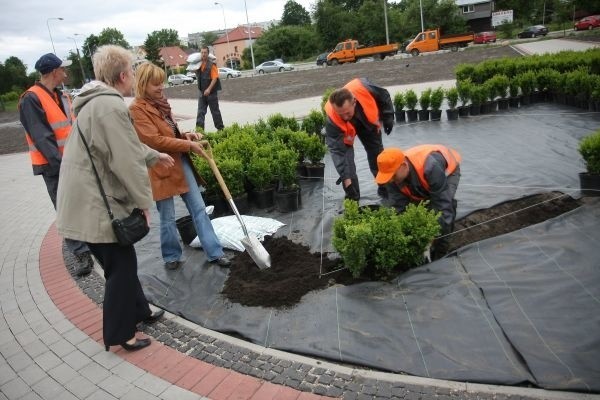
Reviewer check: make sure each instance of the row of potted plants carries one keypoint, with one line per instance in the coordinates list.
(259, 162)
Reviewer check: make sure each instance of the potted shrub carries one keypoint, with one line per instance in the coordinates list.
(513, 90)
(261, 177)
(212, 194)
(232, 171)
(478, 94)
(437, 97)
(399, 107)
(527, 83)
(501, 84)
(589, 148)
(287, 191)
(452, 98)
(410, 98)
(315, 151)
(464, 94)
(313, 123)
(424, 102)
(489, 95)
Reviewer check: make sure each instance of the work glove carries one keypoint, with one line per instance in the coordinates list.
(351, 192)
(388, 124)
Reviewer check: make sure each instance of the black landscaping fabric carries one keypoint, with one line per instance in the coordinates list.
(521, 308)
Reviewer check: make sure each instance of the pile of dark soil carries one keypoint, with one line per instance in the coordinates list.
(295, 271)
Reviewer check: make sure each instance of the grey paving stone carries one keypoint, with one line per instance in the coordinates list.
(32, 374)
(47, 360)
(26, 337)
(63, 373)
(6, 373)
(63, 326)
(81, 387)
(10, 348)
(94, 372)
(50, 336)
(127, 371)
(90, 347)
(151, 384)
(77, 360)
(62, 348)
(75, 336)
(36, 348)
(115, 385)
(19, 361)
(16, 322)
(176, 393)
(107, 359)
(33, 316)
(30, 396)
(138, 394)
(48, 388)
(15, 388)
(101, 395)
(65, 395)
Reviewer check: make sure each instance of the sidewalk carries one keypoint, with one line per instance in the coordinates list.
(50, 330)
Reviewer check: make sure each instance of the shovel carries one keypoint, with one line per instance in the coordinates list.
(257, 252)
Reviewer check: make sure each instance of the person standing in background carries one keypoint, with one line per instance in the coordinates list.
(208, 84)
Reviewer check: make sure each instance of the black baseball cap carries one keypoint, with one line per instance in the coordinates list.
(49, 62)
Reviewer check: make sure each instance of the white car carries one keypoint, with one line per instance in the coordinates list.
(191, 74)
(179, 79)
(226, 73)
(273, 66)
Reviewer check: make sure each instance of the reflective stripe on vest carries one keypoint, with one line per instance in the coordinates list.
(369, 106)
(417, 156)
(60, 124)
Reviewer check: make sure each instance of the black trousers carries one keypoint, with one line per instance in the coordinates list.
(124, 302)
(212, 101)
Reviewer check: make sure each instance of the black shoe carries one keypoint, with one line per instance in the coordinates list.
(85, 263)
(155, 316)
(172, 265)
(221, 262)
(139, 344)
(382, 192)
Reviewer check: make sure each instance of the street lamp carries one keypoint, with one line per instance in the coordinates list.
(249, 36)
(87, 46)
(48, 25)
(421, 7)
(78, 58)
(226, 35)
(387, 34)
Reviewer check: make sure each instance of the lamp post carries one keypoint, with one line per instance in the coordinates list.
(87, 46)
(48, 25)
(78, 58)
(249, 36)
(421, 7)
(226, 35)
(387, 34)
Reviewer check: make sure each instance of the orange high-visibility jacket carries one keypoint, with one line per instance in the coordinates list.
(368, 103)
(59, 122)
(417, 156)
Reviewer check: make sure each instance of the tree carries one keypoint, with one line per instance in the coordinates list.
(112, 36)
(208, 38)
(288, 42)
(74, 70)
(294, 14)
(13, 76)
(158, 39)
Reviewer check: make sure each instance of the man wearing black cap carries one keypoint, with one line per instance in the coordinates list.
(46, 115)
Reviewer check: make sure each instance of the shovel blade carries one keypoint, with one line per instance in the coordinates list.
(257, 252)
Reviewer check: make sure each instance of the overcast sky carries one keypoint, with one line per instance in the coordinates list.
(24, 23)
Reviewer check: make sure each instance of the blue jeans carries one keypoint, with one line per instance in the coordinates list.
(170, 246)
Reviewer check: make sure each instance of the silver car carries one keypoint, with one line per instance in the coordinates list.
(226, 73)
(273, 66)
(179, 79)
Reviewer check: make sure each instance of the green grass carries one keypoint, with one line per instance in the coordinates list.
(10, 105)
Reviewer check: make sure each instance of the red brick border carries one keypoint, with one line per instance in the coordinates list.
(162, 361)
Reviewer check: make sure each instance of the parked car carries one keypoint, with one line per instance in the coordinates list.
(273, 66)
(322, 58)
(74, 92)
(179, 79)
(533, 31)
(226, 73)
(591, 22)
(192, 75)
(485, 37)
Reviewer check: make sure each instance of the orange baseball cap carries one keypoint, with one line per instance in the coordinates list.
(388, 162)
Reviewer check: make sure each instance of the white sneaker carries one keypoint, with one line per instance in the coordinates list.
(209, 209)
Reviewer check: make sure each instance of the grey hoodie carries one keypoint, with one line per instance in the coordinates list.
(120, 159)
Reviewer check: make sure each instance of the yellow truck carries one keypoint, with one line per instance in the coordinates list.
(431, 40)
(351, 51)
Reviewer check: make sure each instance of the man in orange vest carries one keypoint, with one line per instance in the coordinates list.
(209, 84)
(426, 172)
(357, 110)
(46, 115)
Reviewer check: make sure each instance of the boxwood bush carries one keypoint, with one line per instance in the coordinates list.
(589, 148)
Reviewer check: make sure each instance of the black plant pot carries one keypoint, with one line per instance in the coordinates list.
(400, 116)
(221, 205)
(301, 170)
(485, 108)
(187, 231)
(463, 111)
(493, 106)
(452, 114)
(262, 198)
(589, 184)
(436, 115)
(423, 115)
(514, 101)
(503, 104)
(411, 115)
(526, 100)
(315, 171)
(475, 109)
(287, 200)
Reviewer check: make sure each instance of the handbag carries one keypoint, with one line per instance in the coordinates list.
(128, 230)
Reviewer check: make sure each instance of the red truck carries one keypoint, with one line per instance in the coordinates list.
(350, 51)
(432, 41)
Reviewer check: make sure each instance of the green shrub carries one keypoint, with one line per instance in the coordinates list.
(452, 97)
(478, 94)
(260, 172)
(315, 150)
(382, 238)
(325, 99)
(287, 162)
(513, 87)
(589, 148)
(398, 101)
(232, 171)
(314, 122)
(437, 97)
(411, 99)
(10, 97)
(277, 120)
(527, 82)
(464, 91)
(201, 165)
(425, 99)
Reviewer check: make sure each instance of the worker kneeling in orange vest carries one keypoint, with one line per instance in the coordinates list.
(426, 172)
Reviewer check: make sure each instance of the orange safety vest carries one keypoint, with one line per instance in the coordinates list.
(366, 100)
(417, 156)
(60, 124)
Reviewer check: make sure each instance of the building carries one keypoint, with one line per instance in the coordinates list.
(477, 13)
(173, 58)
(229, 47)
